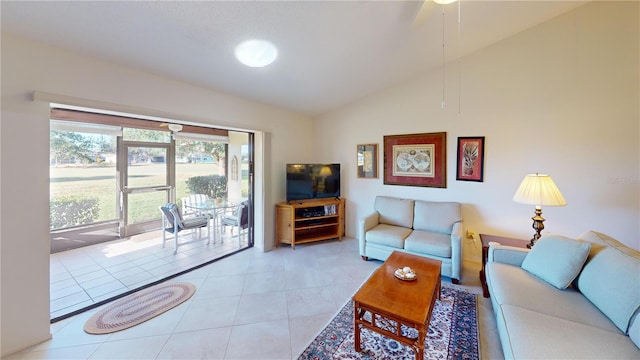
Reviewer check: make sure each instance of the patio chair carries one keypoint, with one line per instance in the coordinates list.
(173, 222)
(238, 218)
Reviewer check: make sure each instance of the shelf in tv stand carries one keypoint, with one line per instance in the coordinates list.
(316, 224)
(315, 236)
(316, 219)
(292, 228)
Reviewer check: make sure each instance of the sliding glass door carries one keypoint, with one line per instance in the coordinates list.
(110, 174)
(146, 183)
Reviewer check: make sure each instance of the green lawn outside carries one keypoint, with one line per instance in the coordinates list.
(100, 183)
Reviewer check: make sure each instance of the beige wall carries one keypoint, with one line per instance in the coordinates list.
(236, 140)
(24, 149)
(561, 98)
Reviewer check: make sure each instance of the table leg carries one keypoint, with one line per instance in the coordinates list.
(419, 349)
(217, 216)
(483, 282)
(212, 227)
(219, 221)
(356, 328)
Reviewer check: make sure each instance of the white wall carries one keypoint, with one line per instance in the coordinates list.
(236, 140)
(24, 148)
(561, 98)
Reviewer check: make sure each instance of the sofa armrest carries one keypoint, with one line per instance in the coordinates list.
(456, 251)
(364, 225)
(506, 254)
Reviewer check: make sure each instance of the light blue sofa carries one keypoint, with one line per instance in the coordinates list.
(426, 228)
(595, 317)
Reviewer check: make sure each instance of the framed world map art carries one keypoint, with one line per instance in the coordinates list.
(416, 159)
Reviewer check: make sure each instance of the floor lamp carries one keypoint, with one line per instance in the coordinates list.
(538, 189)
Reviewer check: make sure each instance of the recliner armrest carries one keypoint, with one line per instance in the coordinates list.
(456, 251)
(364, 225)
(370, 221)
(506, 254)
(456, 232)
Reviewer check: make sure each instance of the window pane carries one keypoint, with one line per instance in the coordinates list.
(147, 167)
(82, 178)
(196, 159)
(130, 134)
(145, 206)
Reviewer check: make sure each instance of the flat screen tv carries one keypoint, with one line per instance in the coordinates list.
(312, 181)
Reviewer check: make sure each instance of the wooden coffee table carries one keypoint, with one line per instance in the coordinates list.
(392, 302)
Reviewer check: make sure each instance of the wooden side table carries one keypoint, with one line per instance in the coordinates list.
(486, 239)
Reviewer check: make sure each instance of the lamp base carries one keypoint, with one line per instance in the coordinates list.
(538, 226)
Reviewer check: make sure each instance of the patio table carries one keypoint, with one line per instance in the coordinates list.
(214, 209)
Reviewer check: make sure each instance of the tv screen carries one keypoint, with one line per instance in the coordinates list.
(311, 181)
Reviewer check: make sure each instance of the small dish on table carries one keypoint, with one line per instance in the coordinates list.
(406, 273)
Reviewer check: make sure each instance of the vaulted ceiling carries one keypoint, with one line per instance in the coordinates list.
(330, 53)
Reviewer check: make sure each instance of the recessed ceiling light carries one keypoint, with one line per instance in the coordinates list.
(256, 53)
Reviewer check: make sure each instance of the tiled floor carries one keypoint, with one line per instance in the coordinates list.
(251, 305)
(85, 276)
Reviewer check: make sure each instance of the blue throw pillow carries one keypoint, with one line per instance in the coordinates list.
(557, 260)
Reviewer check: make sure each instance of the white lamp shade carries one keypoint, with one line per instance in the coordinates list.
(325, 171)
(539, 190)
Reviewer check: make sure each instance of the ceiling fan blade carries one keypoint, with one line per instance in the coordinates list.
(428, 7)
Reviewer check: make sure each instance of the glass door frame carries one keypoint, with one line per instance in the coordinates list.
(124, 190)
(252, 198)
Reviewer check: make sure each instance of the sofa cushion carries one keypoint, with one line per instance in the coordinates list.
(527, 334)
(557, 260)
(388, 235)
(436, 216)
(425, 242)
(394, 211)
(611, 281)
(512, 285)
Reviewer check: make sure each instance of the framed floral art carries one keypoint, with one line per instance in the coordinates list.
(470, 165)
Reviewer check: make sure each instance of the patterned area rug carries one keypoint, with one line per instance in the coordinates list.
(139, 307)
(453, 334)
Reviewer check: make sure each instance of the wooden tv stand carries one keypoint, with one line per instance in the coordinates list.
(304, 221)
